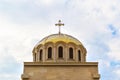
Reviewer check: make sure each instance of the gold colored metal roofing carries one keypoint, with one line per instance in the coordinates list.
(59, 37)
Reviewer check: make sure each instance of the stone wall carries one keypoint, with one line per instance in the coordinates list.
(61, 71)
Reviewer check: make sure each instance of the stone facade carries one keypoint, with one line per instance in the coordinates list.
(60, 57)
(60, 71)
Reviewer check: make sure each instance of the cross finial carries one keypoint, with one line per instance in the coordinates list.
(59, 24)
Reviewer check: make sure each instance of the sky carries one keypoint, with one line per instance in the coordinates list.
(23, 23)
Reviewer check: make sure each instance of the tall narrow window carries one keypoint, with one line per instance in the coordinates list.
(60, 52)
(71, 53)
(49, 52)
(35, 57)
(40, 55)
(79, 55)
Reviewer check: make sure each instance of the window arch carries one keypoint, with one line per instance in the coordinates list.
(49, 52)
(71, 53)
(79, 55)
(40, 54)
(60, 52)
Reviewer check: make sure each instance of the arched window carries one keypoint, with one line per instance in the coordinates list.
(35, 57)
(60, 52)
(79, 55)
(40, 55)
(71, 53)
(49, 52)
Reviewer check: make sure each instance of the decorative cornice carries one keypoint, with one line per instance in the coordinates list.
(60, 63)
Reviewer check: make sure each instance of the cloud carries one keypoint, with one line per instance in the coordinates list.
(8, 59)
(113, 30)
(116, 71)
(13, 1)
(9, 76)
(45, 2)
(25, 22)
(10, 68)
(114, 49)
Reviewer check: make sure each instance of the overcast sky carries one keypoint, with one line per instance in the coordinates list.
(23, 23)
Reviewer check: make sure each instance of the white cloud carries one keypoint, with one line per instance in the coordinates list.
(9, 76)
(13, 1)
(105, 63)
(116, 72)
(88, 20)
(48, 2)
(45, 2)
(114, 48)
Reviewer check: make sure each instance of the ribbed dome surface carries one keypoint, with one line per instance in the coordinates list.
(59, 37)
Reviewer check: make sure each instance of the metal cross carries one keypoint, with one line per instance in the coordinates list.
(59, 24)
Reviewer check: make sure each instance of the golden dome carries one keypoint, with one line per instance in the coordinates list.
(54, 38)
(59, 37)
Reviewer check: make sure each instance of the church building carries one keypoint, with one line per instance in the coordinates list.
(60, 57)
